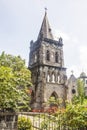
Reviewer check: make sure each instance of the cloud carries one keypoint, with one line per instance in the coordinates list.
(58, 34)
(66, 37)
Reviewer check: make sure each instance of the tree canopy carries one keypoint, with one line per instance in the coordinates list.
(15, 80)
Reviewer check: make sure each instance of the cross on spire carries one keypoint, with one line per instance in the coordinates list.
(45, 10)
(72, 72)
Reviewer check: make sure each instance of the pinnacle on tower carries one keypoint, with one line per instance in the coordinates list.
(45, 30)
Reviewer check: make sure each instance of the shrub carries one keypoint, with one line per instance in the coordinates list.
(24, 123)
(44, 125)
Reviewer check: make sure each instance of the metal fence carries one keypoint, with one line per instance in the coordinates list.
(45, 121)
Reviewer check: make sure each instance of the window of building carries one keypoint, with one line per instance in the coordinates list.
(53, 78)
(73, 91)
(48, 78)
(56, 57)
(35, 58)
(58, 79)
(86, 81)
(48, 55)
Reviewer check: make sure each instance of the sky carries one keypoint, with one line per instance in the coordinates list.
(20, 22)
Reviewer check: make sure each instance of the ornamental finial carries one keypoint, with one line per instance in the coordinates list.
(45, 10)
(72, 72)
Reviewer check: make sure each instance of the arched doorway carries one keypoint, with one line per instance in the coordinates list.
(54, 94)
(53, 99)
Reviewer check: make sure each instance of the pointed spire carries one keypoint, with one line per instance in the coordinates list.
(45, 30)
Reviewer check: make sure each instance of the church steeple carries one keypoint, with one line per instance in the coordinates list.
(47, 67)
(45, 30)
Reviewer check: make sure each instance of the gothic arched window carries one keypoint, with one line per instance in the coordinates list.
(35, 58)
(48, 78)
(56, 57)
(58, 79)
(53, 78)
(48, 55)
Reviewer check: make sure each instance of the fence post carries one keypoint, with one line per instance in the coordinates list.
(49, 120)
(39, 119)
(33, 122)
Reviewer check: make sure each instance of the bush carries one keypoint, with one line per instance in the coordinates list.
(24, 123)
(44, 125)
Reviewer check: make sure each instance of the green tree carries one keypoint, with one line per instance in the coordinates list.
(80, 98)
(75, 116)
(14, 62)
(80, 89)
(55, 101)
(15, 80)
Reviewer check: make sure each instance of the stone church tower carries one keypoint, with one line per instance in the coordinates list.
(46, 63)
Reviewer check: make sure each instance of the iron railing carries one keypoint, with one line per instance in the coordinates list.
(45, 121)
